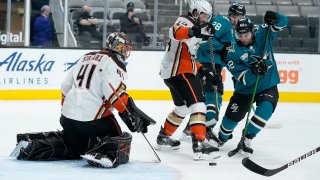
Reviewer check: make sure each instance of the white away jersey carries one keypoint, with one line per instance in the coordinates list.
(86, 88)
(180, 55)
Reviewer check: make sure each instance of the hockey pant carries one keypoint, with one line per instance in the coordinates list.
(266, 102)
(186, 92)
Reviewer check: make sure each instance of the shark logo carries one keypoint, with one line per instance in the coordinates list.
(69, 65)
(244, 57)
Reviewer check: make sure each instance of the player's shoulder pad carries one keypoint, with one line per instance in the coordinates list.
(187, 19)
(224, 23)
(114, 57)
(222, 19)
(91, 53)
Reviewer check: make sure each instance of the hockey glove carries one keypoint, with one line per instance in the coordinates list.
(259, 66)
(129, 120)
(224, 51)
(210, 76)
(204, 31)
(271, 18)
(136, 120)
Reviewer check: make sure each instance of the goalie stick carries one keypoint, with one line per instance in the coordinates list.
(126, 109)
(252, 166)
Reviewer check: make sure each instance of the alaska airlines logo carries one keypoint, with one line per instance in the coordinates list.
(16, 62)
(69, 65)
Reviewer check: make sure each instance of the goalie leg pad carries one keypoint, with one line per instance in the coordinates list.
(42, 146)
(113, 149)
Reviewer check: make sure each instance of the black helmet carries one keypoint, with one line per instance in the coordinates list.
(237, 9)
(244, 25)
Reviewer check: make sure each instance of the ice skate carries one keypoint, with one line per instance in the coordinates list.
(214, 140)
(165, 142)
(16, 151)
(186, 134)
(98, 160)
(204, 151)
(243, 149)
(245, 145)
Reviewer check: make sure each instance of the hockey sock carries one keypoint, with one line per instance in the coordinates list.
(198, 126)
(259, 119)
(211, 108)
(226, 128)
(171, 124)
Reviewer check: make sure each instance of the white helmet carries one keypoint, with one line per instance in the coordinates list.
(201, 6)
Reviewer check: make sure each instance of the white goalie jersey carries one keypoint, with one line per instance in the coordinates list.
(86, 89)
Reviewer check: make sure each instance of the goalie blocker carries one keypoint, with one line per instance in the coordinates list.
(51, 146)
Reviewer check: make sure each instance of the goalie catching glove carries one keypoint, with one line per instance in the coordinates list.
(135, 119)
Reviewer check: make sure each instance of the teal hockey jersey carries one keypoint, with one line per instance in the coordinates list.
(240, 57)
(224, 33)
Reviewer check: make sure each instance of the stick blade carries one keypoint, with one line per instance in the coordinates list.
(246, 162)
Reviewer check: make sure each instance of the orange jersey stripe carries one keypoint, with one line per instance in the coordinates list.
(193, 94)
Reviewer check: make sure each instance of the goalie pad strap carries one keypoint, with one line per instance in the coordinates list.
(116, 148)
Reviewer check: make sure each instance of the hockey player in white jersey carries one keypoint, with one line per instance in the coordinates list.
(179, 71)
(92, 89)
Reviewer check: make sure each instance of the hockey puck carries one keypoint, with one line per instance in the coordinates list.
(212, 164)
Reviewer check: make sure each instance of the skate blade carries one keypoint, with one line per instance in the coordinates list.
(107, 163)
(185, 138)
(206, 157)
(16, 151)
(212, 143)
(242, 154)
(166, 147)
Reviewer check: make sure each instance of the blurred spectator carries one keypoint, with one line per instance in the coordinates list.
(132, 26)
(43, 28)
(87, 26)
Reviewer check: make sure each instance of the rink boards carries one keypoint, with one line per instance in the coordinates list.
(34, 74)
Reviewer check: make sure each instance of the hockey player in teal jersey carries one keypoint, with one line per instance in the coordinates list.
(244, 61)
(224, 36)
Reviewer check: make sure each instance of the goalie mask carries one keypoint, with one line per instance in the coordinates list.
(119, 43)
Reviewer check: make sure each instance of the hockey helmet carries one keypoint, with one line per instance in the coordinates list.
(237, 9)
(244, 25)
(119, 43)
(201, 6)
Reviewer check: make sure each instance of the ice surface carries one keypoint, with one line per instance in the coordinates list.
(273, 147)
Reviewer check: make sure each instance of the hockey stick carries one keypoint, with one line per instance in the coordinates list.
(269, 172)
(235, 151)
(215, 88)
(126, 109)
